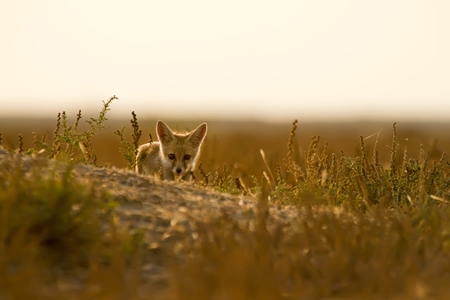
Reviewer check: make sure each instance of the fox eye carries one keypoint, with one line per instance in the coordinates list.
(171, 156)
(187, 156)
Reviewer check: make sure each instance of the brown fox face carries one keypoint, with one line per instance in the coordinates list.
(179, 152)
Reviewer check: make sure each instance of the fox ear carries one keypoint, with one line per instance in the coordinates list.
(164, 133)
(198, 135)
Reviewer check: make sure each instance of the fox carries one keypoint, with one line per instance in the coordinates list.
(175, 155)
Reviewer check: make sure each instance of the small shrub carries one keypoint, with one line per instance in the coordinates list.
(129, 150)
(69, 144)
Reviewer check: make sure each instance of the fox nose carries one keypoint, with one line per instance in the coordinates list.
(178, 170)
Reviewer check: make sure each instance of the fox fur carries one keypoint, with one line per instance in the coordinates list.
(175, 155)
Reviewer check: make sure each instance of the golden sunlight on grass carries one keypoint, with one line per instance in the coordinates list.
(358, 213)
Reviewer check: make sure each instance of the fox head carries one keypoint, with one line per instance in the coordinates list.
(179, 152)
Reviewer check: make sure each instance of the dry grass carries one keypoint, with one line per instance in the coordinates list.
(372, 216)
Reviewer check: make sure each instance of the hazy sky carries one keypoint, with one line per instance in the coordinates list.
(279, 60)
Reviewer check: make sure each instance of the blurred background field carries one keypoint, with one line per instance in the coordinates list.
(237, 144)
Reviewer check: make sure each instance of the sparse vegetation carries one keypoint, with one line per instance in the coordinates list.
(129, 150)
(71, 145)
(355, 226)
